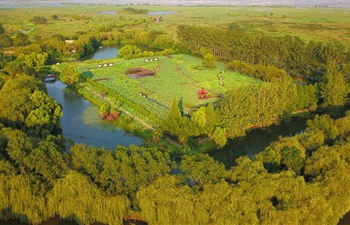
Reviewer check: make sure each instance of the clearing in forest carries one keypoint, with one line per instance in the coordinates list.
(179, 76)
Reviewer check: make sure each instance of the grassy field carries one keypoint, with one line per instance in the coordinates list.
(178, 77)
(325, 24)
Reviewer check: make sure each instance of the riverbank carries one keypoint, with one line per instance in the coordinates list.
(81, 121)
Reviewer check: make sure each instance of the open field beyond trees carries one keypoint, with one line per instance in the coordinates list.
(309, 23)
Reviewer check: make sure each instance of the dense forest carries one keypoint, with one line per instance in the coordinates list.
(296, 180)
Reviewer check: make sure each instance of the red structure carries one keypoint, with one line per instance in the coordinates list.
(202, 94)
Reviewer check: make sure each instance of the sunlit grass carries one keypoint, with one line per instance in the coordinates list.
(168, 83)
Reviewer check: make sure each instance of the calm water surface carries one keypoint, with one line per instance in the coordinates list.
(104, 52)
(81, 123)
(256, 140)
(111, 51)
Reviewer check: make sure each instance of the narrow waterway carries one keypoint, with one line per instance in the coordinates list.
(257, 140)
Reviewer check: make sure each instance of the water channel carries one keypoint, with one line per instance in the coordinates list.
(78, 126)
(255, 141)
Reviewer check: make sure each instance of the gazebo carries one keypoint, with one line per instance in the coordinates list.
(202, 94)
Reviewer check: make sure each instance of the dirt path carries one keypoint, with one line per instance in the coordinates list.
(177, 144)
(300, 111)
(121, 109)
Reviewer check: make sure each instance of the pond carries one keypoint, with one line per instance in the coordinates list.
(81, 121)
(111, 51)
(104, 52)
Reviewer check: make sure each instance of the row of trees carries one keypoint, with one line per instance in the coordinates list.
(203, 122)
(242, 109)
(132, 52)
(290, 53)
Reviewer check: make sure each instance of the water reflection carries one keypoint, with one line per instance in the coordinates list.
(111, 51)
(256, 140)
(81, 121)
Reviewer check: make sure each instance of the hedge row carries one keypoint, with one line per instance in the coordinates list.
(265, 73)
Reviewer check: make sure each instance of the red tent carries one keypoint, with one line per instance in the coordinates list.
(202, 94)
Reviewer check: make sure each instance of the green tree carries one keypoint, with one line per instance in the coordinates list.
(33, 59)
(69, 75)
(28, 49)
(170, 124)
(209, 61)
(17, 68)
(5, 41)
(238, 110)
(21, 39)
(271, 159)
(200, 169)
(219, 137)
(45, 116)
(334, 90)
(2, 30)
(293, 158)
(123, 170)
(199, 117)
(164, 202)
(128, 51)
(72, 196)
(212, 120)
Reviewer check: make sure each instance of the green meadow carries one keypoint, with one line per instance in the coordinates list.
(179, 76)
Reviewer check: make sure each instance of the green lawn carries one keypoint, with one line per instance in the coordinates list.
(178, 77)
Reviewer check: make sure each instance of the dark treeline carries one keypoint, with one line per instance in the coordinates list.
(290, 53)
(295, 180)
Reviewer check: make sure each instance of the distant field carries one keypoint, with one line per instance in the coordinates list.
(310, 23)
(178, 77)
